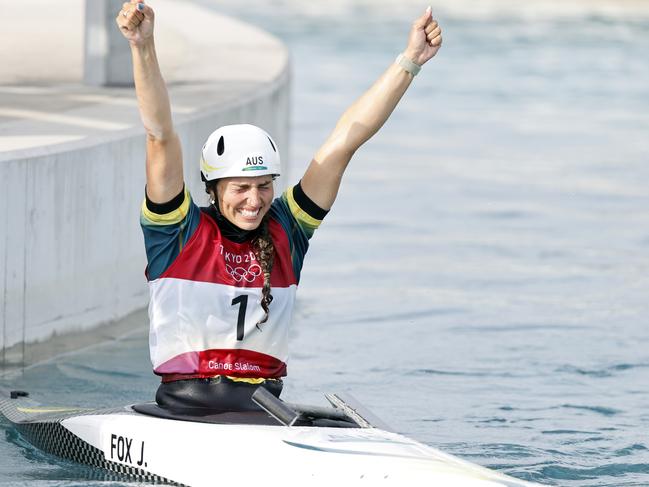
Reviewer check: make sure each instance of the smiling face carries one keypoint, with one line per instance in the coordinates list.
(245, 201)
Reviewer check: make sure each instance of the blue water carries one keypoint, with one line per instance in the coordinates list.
(482, 282)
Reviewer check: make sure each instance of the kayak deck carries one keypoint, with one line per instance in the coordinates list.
(41, 426)
(146, 443)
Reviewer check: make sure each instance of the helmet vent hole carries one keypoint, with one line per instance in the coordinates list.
(271, 144)
(220, 148)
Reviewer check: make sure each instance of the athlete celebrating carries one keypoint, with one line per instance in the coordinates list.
(223, 278)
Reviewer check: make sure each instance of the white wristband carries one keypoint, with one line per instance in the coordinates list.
(408, 64)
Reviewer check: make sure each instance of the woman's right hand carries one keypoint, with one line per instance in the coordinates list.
(135, 21)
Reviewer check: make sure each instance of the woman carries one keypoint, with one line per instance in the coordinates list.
(223, 278)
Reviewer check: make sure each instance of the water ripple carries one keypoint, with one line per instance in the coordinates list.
(609, 371)
(576, 473)
(74, 369)
(424, 313)
(517, 327)
(604, 411)
(567, 432)
(462, 373)
(630, 450)
(507, 215)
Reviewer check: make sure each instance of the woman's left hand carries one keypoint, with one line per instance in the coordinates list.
(425, 39)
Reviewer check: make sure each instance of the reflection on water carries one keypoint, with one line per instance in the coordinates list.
(481, 282)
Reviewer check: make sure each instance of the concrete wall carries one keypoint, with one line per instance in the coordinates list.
(71, 250)
(105, 52)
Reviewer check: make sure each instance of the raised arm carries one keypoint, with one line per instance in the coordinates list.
(164, 164)
(368, 114)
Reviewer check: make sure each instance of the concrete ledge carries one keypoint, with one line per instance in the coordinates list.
(72, 172)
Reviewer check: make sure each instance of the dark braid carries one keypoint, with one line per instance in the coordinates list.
(263, 247)
(264, 250)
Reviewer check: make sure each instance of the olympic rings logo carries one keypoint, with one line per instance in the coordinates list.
(240, 274)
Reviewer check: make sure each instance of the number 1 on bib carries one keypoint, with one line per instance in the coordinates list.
(242, 301)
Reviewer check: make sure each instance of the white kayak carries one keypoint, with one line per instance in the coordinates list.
(287, 445)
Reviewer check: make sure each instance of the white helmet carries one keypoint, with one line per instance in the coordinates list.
(239, 150)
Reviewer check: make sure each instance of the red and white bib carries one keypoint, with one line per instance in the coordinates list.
(205, 307)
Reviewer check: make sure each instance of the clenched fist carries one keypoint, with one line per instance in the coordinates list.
(425, 38)
(135, 20)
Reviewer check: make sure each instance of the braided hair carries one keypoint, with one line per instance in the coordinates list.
(262, 246)
(264, 250)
